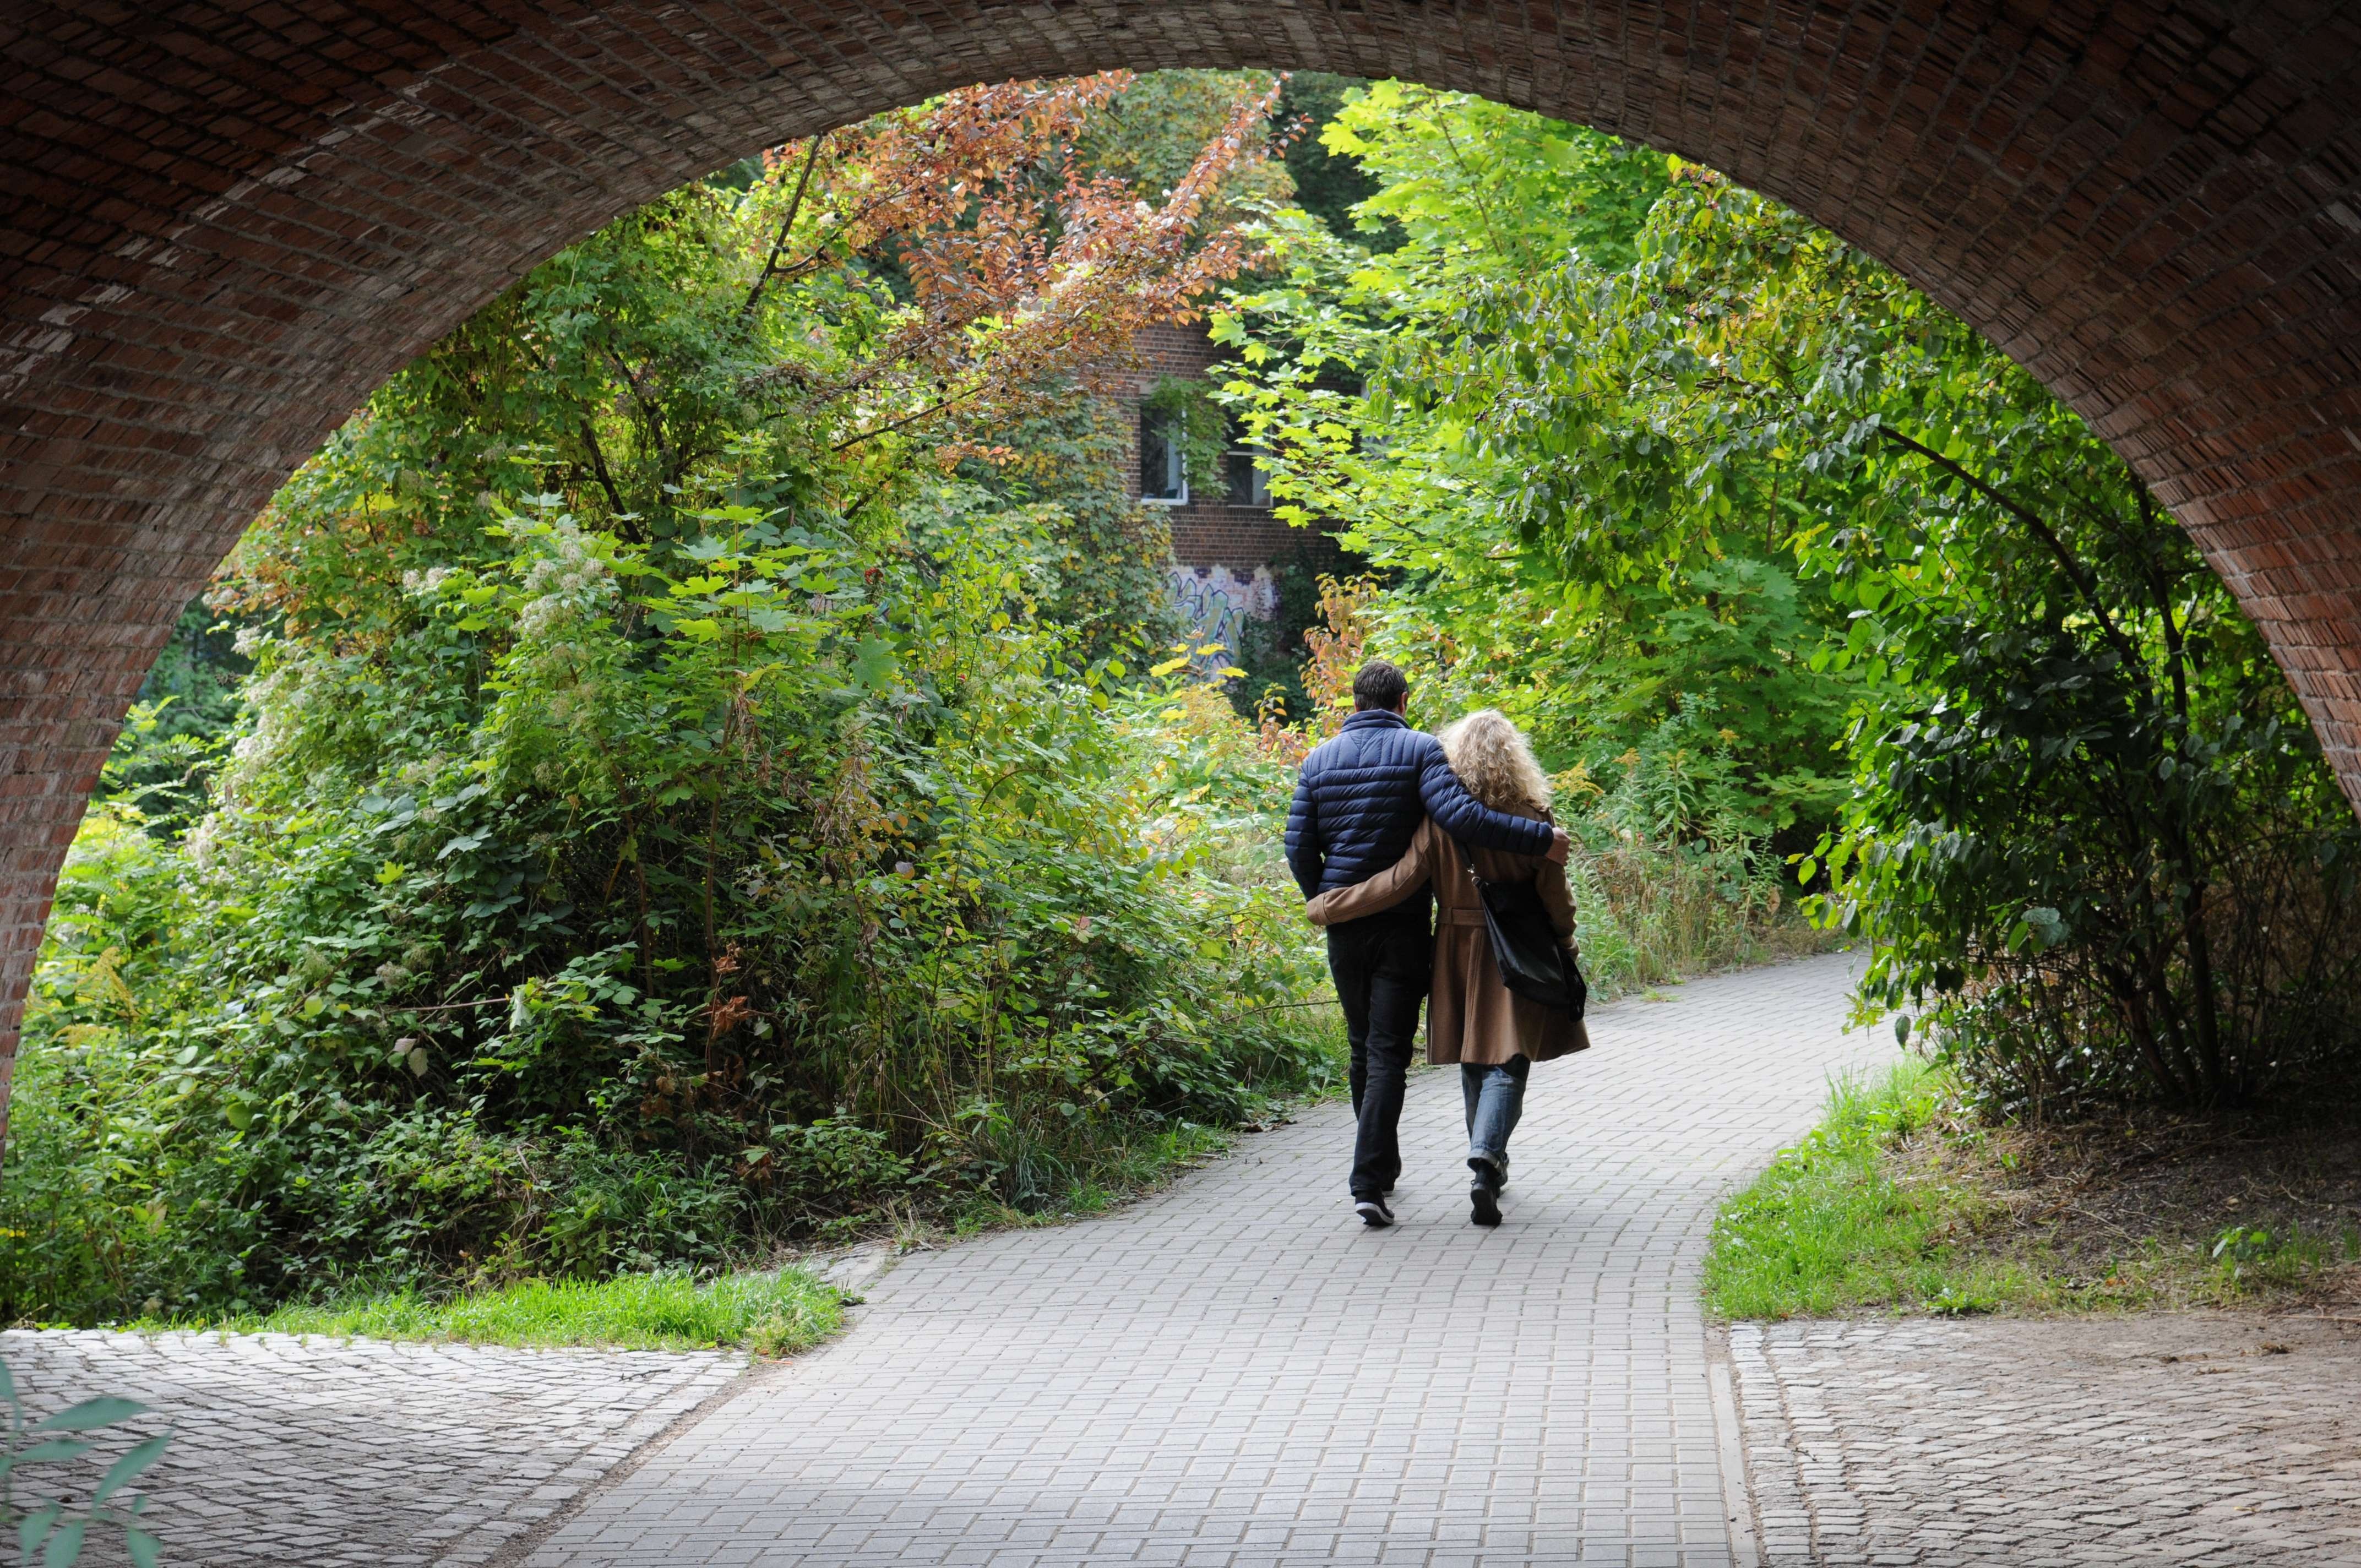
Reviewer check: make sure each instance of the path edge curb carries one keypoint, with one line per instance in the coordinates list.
(1729, 1441)
(525, 1544)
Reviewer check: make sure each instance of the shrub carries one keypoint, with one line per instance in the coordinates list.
(2092, 836)
(789, 905)
(689, 791)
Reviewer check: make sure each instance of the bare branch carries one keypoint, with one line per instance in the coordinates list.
(779, 245)
(2073, 568)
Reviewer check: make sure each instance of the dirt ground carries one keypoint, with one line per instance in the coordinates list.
(2130, 1209)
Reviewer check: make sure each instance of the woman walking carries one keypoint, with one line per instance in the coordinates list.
(1472, 1017)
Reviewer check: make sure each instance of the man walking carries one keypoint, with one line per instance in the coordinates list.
(1358, 799)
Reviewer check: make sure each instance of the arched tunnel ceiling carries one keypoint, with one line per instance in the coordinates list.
(226, 223)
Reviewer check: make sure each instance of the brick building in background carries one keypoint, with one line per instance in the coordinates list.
(1226, 547)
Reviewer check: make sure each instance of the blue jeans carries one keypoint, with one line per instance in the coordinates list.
(1496, 1097)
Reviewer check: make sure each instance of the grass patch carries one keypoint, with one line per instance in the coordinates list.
(1899, 1202)
(771, 1314)
(1831, 1229)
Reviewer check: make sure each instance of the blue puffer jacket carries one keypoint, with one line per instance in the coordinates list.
(1361, 795)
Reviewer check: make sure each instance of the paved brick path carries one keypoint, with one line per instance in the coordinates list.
(2005, 1443)
(318, 1451)
(1232, 1373)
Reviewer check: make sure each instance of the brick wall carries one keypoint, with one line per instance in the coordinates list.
(1208, 533)
(222, 224)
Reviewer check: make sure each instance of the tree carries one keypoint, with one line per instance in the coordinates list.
(1726, 478)
(1499, 481)
(690, 789)
(1329, 184)
(2088, 827)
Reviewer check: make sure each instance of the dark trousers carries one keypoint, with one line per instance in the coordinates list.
(1381, 966)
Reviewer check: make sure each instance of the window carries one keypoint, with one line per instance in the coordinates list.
(1250, 486)
(1163, 468)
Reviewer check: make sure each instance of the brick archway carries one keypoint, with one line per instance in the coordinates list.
(227, 222)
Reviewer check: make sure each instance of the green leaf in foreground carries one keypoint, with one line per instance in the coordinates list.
(91, 1413)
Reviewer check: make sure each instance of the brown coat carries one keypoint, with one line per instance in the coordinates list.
(1470, 1016)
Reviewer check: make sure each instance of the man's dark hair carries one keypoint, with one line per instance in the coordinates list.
(1379, 684)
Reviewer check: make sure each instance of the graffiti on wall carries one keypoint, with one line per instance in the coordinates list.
(1213, 605)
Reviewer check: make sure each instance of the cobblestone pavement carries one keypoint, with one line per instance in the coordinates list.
(321, 1452)
(2173, 1440)
(1234, 1373)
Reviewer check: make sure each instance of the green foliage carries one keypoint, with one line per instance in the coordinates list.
(780, 1312)
(2090, 828)
(56, 1530)
(1329, 183)
(1709, 468)
(1192, 421)
(1502, 390)
(180, 725)
(1272, 652)
(2250, 1262)
(690, 793)
(1105, 555)
(1462, 402)
(195, 679)
(2088, 821)
(811, 882)
(1674, 877)
(1150, 133)
(1477, 185)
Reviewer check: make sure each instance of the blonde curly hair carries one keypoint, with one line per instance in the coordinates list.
(1493, 759)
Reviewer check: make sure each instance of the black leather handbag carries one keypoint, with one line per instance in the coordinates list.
(1525, 946)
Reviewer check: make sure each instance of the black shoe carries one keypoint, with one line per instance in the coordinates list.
(1374, 1212)
(1495, 1171)
(1484, 1202)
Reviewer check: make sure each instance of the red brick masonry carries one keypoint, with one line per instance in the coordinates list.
(1208, 531)
(226, 222)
